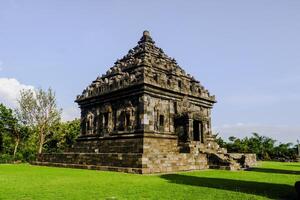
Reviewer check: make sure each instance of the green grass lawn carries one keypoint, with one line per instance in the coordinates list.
(270, 180)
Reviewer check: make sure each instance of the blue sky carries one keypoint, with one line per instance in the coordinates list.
(247, 53)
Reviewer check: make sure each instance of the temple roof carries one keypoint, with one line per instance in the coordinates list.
(146, 64)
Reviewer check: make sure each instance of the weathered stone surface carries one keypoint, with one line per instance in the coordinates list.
(246, 160)
(146, 115)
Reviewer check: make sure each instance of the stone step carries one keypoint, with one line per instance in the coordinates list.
(223, 161)
(219, 167)
(93, 167)
(223, 167)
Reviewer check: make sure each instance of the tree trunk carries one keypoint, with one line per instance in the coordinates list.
(42, 140)
(16, 147)
(40, 148)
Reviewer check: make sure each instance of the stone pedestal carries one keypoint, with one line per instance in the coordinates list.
(142, 154)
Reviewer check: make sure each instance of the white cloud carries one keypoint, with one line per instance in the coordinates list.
(70, 113)
(10, 90)
(281, 133)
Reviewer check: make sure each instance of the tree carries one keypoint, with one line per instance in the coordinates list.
(38, 109)
(10, 125)
(220, 141)
(264, 147)
(5, 115)
(63, 136)
(72, 131)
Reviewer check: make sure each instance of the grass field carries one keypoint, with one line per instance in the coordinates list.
(270, 180)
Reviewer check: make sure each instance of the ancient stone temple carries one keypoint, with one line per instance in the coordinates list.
(146, 115)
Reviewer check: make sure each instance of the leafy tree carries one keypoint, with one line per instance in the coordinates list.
(10, 125)
(220, 141)
(5, 115)
(63, 136)
(264, 147)
(34, 126)
(38, 109)
(1, 142)
(285, 152)
(72, 131)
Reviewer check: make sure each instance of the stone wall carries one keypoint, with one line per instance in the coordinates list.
(162, 155)
(122, 162)
(245, 159)
(153, 153)
(114, 117)
(158, 115)
(145, 154)
(122, 153)
(133, 144)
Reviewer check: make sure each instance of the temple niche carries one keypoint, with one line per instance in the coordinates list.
(146, 115)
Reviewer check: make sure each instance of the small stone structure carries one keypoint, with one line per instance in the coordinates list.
(298, 155)
(146, 115)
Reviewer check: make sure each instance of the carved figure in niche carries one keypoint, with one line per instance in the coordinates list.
(163, 80)
(121, 120)
(107, 118)
(90, 123)
(184, 106)
(127, 117)
(132, 78)
(156, 116)
(155, 77)
(97, 121)
(169, 82)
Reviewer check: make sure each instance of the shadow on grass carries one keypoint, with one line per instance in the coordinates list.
(276, 171)
(270, 190)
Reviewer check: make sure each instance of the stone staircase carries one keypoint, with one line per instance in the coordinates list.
(216, 159)
(219, 158)
(222, 161)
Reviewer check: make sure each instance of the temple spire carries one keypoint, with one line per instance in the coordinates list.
(146, 33)
(146, 37)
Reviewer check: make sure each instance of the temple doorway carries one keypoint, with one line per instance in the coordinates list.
(196, 132)
(180, 129)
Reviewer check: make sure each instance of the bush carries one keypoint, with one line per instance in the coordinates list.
(6, 158)
(264, 147)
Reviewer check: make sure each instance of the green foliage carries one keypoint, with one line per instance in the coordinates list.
(264, 147)
(38, 109)
(271, 180)
(285, 152)
(6, 158)
(63, 136)
(5, 124)
(220, 141)
(13, 133)
(33, 127)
